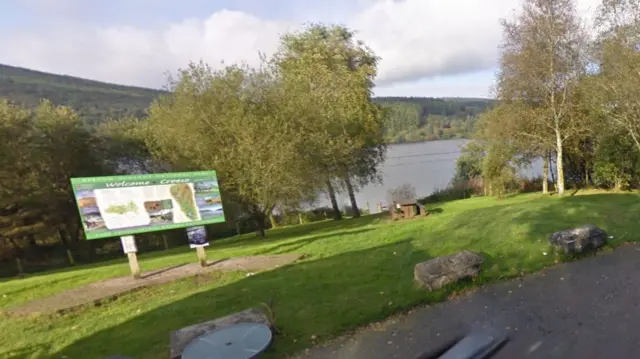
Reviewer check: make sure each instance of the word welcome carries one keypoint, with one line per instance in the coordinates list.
(144, 183)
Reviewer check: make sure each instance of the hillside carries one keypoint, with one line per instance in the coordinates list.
(412, 118)
(93, 100)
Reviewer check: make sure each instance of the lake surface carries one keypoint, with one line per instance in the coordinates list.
(425, 165)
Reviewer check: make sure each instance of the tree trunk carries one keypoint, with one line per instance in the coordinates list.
(165, 241)
(352, 198)
(559, 165)
(72, 261)
(19, 266)
(18, 253)
(273, 221)
(586, 176)
(334, 202)
(553, 176)
(545, 175)
(64, 238)
(259, 220)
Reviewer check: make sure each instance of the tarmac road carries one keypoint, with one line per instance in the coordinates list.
(584, 309)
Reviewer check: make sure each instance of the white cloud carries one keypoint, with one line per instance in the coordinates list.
(417, 40)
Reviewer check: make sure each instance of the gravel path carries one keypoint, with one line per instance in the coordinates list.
(584, 309)
(95, 292)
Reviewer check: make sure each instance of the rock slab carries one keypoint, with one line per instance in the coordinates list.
(440, 271)
(182, 337)
(579, 239)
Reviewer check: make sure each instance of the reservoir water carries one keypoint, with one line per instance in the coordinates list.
(425, 165)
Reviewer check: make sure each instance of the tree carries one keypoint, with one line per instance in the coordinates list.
(543, 59)
(46, 148)
(469, 163)
(330, 78)
(70, 151)
(364, 169)
(617, 84)
(234, 121)
(500, 152)
(122, 141)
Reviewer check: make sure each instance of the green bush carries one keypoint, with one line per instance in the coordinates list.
(456, 190)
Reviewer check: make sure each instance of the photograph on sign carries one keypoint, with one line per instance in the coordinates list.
(121, 205)
(197, 236)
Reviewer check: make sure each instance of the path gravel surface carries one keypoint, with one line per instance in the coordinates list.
(95, 292)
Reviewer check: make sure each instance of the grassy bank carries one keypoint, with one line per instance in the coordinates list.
(358, 271)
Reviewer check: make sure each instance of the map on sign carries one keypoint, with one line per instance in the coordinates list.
(121, 205)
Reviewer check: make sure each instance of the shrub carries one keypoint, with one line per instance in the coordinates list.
(457, 190)
(528, 185)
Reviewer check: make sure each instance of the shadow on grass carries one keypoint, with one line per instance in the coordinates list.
(616, 213)
(289, 247)
(314, 298)
(277, 234)
(160, 271)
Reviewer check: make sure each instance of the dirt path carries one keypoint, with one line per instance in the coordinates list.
(95, 292)
(579, 310)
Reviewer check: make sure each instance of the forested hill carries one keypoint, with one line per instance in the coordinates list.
(415, 119)
(412, 118)
(93, 100)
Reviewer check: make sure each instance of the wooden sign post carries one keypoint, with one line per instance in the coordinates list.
(202, 256)
(129, 247)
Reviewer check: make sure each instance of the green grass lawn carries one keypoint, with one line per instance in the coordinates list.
(358, 271)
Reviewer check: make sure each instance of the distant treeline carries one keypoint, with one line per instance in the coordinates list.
(415, 119)
(411, 119)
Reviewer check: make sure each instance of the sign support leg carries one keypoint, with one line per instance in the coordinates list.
(130, 248)
(133, 264)
(202, 256)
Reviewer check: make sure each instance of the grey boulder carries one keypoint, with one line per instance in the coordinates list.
(182, 337)
(440, 271)
(579, 239)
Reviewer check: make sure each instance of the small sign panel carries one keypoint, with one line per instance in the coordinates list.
(197, 236)
(128, 244)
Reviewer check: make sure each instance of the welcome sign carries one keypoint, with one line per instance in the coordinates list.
(123, 205)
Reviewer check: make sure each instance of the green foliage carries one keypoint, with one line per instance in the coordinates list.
(616, 162)
(331, 78)
(47, 146)
(498, 171)
(456, 190)
(235, 121)
(469, 164)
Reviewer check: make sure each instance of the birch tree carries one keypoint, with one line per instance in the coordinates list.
(542, 61)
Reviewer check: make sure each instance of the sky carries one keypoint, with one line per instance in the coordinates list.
(432, 48)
